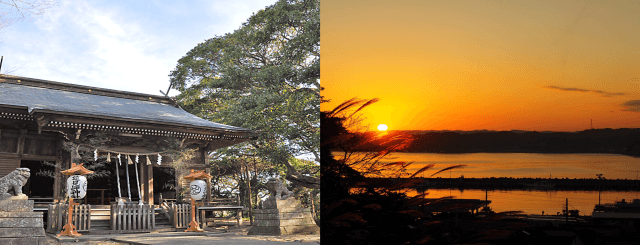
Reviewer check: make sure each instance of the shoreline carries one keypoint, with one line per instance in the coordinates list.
(502, 183)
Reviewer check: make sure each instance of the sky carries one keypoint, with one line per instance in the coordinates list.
(494, 65)
(121, 45)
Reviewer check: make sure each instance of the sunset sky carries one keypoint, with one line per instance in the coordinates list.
(496, 65)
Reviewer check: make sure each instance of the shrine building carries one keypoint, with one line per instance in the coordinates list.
(39, 118)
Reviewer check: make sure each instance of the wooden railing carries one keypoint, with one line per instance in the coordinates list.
(57, 217)
(133, 217)
(223, 205)
(225, 201)
(42, 200)
(181, 215)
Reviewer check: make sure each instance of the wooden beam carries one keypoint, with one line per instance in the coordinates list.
(42, 121)
(142, 124)
(31, 157)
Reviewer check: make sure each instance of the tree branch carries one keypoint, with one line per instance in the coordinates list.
(294, 176)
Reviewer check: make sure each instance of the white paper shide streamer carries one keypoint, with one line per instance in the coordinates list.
(95, 155)
(118, 177)
(138, 182)
(159, 159)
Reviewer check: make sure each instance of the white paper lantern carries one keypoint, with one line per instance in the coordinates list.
(198, 189)
(77, 186)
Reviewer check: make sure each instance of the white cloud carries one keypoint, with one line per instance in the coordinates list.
(110, 45)
(233, 13)
(83, 44)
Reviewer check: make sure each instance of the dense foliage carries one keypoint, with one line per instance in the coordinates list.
(264, 76)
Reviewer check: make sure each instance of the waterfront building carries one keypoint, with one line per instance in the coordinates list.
(619, 213)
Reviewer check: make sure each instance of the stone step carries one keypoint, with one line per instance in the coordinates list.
(98, 218)
(167, 229)
(107, 207)
(100, 225)
(99, 230)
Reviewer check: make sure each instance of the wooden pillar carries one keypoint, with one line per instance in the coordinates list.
(143, 181)
(149, 182)
(63, 162)
(21, 139)
(57, 181)
(58, 167)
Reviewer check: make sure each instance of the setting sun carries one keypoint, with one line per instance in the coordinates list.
(382, 127)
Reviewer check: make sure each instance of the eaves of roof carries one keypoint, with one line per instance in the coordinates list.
(75, 100)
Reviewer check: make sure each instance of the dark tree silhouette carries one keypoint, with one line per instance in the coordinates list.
(367, 215)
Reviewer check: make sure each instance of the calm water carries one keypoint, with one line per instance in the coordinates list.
(518, 165)
(536, 201)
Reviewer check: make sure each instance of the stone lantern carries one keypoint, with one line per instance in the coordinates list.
(76, 188)
(198, 191)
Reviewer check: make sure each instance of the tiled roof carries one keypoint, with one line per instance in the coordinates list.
(52, 97)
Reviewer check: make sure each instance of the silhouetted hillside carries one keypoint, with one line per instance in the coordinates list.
(619, 141)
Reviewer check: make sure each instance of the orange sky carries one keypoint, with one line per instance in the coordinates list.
(496, 65)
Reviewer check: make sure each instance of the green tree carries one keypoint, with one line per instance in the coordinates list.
(265, 76)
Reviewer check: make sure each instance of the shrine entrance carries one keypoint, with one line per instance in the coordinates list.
(38, 185)
(164, 184)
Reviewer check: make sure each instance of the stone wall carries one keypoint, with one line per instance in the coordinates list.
(19, 224)
(283, 217)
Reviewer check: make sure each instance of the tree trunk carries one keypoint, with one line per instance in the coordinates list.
(313, 205)
(255, 170)
(246, 170)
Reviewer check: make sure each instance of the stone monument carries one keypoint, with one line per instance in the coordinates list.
(282, 214)
(18, 223)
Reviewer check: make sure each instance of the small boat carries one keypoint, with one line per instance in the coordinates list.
(540, 185)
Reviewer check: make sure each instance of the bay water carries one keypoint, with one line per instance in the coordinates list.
(528, 165)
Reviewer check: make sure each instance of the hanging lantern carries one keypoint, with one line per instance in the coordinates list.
(77, 186)
(198, 189)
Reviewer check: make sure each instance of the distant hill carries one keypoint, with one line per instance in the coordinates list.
(617, 141)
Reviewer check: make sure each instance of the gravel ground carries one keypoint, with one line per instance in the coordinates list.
(230, 236)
